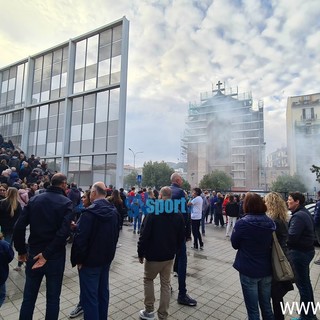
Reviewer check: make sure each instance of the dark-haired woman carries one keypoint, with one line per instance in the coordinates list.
(232, 212)
(301, 250)
(252, 237)
(3, 190)
(118, 203)
(86, 203)
(196, 216)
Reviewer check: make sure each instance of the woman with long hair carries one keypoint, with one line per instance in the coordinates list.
(277, 210)
(10, 210)
(118, 203)
(86, 203)
(86, 199)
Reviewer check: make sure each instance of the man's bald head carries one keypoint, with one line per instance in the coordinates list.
(98, 191)
(176, 178)
(165, 193)
(59, 180)
(100, 188)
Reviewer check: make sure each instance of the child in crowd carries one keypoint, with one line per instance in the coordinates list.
(6, 256)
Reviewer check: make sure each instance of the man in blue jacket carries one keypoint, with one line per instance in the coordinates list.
(49, 215)
(93, 250)
(178, 193)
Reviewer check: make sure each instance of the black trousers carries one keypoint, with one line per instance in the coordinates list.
(195, 225)
(278, 291)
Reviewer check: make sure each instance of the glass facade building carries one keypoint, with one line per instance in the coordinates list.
(67, 105)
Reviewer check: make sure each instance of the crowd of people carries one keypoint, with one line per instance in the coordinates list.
(57, 212)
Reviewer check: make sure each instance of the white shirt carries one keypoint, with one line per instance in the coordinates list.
(196, 208)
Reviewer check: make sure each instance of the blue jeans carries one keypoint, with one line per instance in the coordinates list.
(53, 271)
(300, 262)
(257, 292)
(2, 293)
(94, 292)
(8, 237)
(182, 269)
(136, 220)
(203, 222)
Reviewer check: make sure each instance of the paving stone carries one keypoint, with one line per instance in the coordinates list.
(211, 280)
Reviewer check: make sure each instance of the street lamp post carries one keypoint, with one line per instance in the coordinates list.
(134, 157)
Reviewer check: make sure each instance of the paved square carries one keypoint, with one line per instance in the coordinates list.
(211, 280)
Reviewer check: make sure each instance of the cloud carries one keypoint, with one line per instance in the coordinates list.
(180, 48)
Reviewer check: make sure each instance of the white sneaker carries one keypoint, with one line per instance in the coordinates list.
(143, 314)
(77, 311)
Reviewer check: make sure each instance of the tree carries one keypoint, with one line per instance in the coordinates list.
(130, 180)
(288, 183)
(186, 185)
(216, 180)
(315, 169)
(156, 174)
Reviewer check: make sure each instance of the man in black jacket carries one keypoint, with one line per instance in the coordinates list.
(301, 250)
(161, 237)
(49, 216)
(93, 250)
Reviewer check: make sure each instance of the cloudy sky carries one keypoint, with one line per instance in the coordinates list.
(180, 48)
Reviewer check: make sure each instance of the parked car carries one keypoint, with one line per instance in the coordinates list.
(311, 207)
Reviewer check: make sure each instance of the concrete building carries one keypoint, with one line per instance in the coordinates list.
(303, 136)
(224, 132)
(68, 105)
(276, 165)
(278, 158)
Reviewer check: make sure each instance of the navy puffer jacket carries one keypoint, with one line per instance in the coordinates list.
(252, 237)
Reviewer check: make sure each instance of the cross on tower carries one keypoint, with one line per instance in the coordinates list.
(219, 84)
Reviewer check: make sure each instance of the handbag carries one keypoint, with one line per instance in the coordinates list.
(282, 270)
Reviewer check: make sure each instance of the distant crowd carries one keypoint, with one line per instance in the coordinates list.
(63, 212)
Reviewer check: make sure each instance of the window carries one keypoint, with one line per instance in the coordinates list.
(308, 113)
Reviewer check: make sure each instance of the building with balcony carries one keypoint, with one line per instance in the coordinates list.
(276, 165)
(225, 133)
(278, 159)
(68, 105)
(303, 136)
